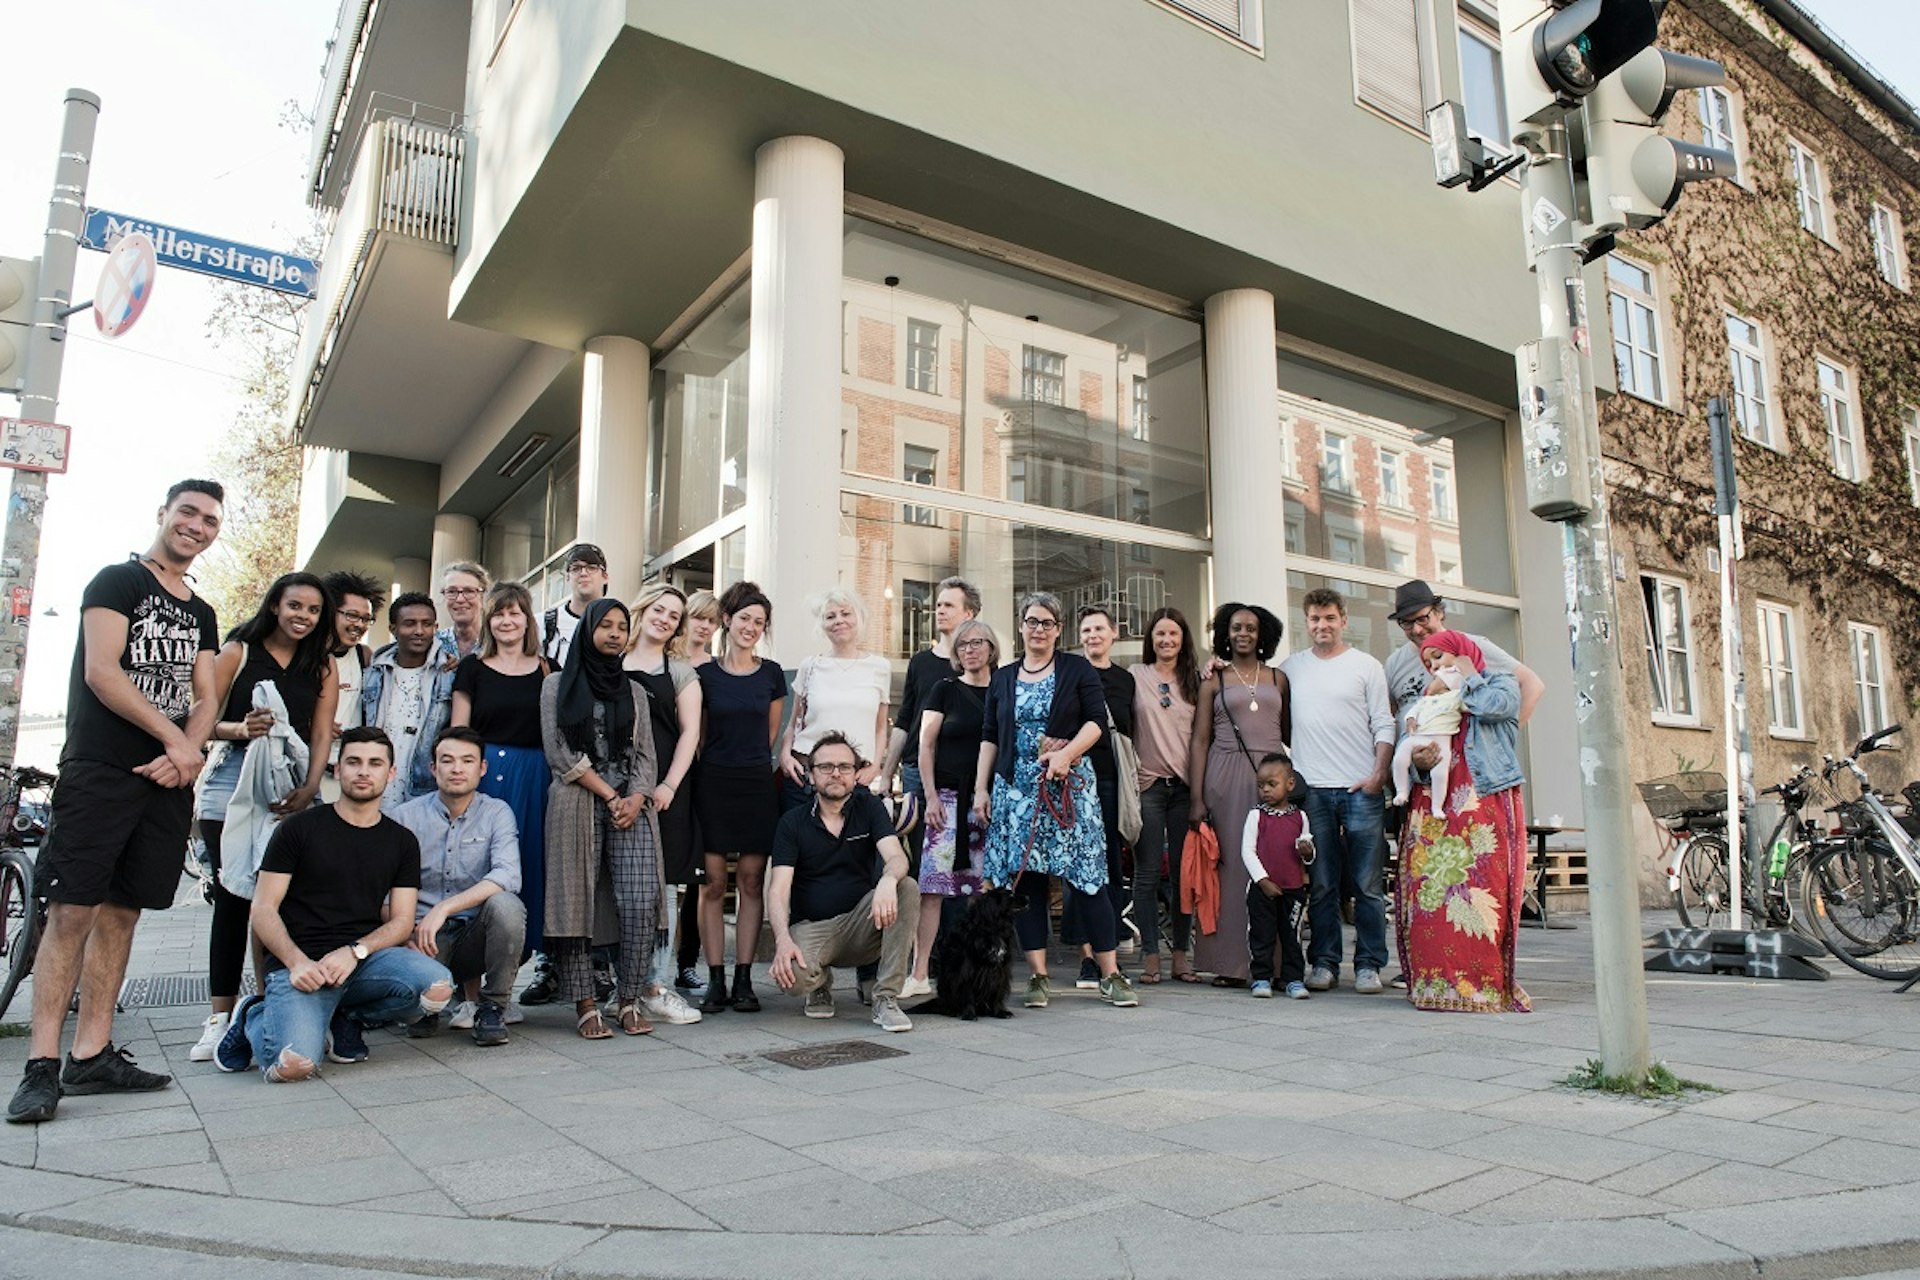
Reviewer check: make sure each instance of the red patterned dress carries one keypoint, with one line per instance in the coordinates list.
(1458, 898)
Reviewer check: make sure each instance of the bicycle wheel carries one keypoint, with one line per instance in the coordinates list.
(1704, 891)
(1867, 909)
(19, 923)
(1793, 893)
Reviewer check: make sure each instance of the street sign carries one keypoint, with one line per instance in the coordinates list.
(33, 446)
(126, 284)
(208, 255)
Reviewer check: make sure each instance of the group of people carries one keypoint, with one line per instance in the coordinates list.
(393, 834)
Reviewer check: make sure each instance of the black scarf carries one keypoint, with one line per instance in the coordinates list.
(591, 677)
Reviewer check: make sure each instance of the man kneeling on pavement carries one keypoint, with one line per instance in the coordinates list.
(822, 899)
(471, 918)
(334, 907)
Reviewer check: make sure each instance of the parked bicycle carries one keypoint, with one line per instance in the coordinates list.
(23, 823)
(1863, 889)
(1691, 809)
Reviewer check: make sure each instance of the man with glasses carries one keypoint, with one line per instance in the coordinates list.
(823, 901)
(1420, 614)
(586, 582)
(356, 600)
(462, 583)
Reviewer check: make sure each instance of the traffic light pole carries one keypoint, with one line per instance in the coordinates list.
(40, 395)
(1599, 694)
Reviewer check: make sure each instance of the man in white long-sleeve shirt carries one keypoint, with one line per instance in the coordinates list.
(1342, 747)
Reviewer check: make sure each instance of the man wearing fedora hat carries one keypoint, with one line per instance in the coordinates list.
(1420, 613)
(586, 581)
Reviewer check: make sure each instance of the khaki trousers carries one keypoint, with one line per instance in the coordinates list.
(851, 939)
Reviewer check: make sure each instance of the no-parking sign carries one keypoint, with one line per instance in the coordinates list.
(126, 282)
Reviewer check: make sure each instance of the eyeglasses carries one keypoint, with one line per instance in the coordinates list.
(358, 619)
(458, 593)
(1419, 619)
(1166, 695)
(1040, 624)
(582, 566)
(830, 769)
(975, 643)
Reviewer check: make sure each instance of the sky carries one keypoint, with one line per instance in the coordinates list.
(193, 93)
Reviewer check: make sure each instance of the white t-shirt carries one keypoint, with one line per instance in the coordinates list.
(347, 713)
(565, 623)
(844, 694)
(405, 712)
(1408, 677)
(1340, 711)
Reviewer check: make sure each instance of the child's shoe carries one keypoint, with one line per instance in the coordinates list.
(1262, 990)
(1297, 991)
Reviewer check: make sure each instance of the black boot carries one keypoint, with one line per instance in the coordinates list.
(744, 1001)
(717, 997)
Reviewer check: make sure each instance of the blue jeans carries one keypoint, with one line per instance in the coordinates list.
(386, 985)
(1347, 841)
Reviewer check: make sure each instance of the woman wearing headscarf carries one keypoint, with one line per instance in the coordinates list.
(1462, 871)
(603, 844)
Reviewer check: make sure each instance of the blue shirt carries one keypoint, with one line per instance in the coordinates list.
(458, 853)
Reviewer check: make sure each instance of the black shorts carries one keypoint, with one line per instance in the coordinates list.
(113, 837)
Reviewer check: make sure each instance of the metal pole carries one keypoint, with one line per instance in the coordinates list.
(40, 392)
(1613, 889)
(1720, 441)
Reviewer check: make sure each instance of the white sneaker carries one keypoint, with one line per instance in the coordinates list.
(667, 1006)
(462, 1016)
(915, 987)
(215, 1028)
(515, 1014)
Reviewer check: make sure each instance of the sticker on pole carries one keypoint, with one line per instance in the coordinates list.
(1546, 216)
(33, 446)
(126, 284)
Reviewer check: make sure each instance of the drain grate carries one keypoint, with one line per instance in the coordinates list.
(840, 1053)
(169, 990)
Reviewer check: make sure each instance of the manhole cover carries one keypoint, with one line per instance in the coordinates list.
(167, 990)
(840, 1053)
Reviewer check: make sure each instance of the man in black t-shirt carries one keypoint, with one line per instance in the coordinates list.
(140, 704)
(822, 898)
(334, 907)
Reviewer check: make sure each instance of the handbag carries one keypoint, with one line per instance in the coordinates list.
(1126, 763)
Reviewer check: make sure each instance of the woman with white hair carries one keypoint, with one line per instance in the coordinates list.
(845, 689)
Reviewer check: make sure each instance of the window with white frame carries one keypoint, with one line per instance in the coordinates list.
(1440, 485)
(1237, 18)
(1889, 249)
(1869, 681)
(1482, 88)
(1669, 647)
(1746, 352)
(1386, 59)
(1716, 119)
(1809, 189)
(1635, 311)
(1140, 511)
(1336, 462)
(1910, 443)
(1393, 479)
(1343, 546)
(1296, 534)
(923, 357)
(1043, 376)
(1842, 419)
(1289, 460)
(1447, 566)
(1142, 420)
(916, 615)
(919, 465)
(1780, 665)
(1398, 557)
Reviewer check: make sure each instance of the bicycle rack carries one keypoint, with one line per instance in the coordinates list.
(1751, 953)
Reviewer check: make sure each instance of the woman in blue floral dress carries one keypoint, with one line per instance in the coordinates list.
(1043, 712)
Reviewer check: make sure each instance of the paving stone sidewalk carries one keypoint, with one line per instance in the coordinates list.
(1202, 1132)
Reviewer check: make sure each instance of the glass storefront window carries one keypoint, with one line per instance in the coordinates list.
(537, 523)
(699, 405)
(1392, 481)
(1036, 390)
(1369, 628)
(893, 565)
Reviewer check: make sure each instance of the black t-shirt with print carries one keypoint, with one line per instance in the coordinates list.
(165, 634)
(342, 875)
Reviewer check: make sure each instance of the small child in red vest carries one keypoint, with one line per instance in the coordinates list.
(1277, 848)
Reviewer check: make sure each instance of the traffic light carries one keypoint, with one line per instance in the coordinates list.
(1633, 172)
(19, 283)
(1555, 54)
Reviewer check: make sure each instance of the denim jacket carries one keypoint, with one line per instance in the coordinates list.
(439, 708)
(1492, 703)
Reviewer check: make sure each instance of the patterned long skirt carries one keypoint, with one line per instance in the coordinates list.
(1458, 901)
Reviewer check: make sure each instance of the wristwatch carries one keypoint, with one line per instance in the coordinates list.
(359, 950)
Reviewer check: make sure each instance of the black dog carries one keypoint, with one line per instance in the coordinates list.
(976, 958)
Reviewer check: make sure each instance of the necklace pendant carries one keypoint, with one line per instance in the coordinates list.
(1253, 704)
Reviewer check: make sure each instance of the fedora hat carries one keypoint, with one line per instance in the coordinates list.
(1411, 597)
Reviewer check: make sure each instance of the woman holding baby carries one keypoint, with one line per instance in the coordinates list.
(1463, 851)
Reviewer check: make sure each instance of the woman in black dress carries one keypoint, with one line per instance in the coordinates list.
(742, 700)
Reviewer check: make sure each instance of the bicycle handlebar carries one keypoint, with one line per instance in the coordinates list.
(1874, 741)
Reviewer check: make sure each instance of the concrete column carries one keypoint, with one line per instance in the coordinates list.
(613, 457)
(1244, 451)
(455, 537)
(793, 381)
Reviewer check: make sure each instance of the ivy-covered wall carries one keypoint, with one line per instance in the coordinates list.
(1835, 550)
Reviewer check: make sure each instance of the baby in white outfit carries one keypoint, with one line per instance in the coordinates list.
(1431, 721)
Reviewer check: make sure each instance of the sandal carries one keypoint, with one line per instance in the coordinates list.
(592, 1026)
(632, 1020)
(1224, 981)
(1150, 971)
(1183, 969)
